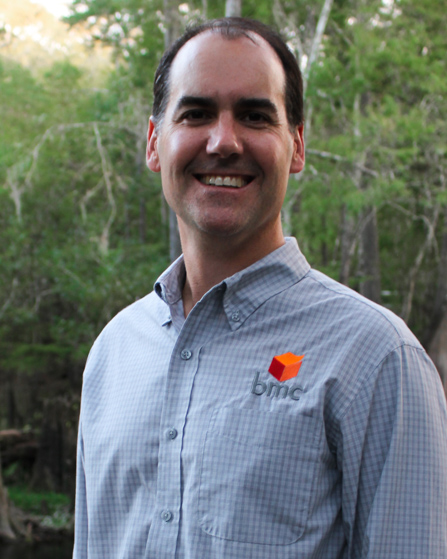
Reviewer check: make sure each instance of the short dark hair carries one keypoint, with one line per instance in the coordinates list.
(234, 28)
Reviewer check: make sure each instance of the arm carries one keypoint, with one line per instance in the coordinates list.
(394, 462)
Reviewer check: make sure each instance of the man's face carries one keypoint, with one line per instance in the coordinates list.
(224, 147)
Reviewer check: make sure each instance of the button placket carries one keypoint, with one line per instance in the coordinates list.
(183, 366)
(174, 410)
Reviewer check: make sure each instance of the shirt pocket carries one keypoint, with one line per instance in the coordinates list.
(257, 475)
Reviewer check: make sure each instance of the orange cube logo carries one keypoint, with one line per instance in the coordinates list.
(285, 366)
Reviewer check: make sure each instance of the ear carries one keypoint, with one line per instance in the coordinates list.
(298, 158)
(152, 159)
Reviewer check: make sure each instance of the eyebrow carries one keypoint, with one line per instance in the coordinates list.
(243, 103)
(257, 103)
(191, 100)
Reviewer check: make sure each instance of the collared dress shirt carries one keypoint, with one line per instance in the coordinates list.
(190, 449)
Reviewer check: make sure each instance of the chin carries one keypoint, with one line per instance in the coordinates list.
(220, 231)
(220, 226)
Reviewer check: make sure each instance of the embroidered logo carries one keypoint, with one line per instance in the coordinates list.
(286, 366)
(275, 390)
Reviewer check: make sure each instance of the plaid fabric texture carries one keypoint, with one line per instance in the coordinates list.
(190, 449)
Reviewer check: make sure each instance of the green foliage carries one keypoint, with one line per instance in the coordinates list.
(378, 109)
(35, 502)
(22, 112)
(84, 235)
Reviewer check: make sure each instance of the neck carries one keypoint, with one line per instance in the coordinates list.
(211, 260)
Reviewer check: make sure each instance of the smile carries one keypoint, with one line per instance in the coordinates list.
(223, 180)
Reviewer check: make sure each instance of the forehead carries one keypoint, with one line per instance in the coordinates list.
(216, 65)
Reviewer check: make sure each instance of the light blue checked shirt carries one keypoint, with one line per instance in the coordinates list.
(190, 449)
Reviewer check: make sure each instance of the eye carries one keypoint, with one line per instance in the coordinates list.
(195, 115)
(254, 117)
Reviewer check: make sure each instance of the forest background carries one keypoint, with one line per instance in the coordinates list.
(84, 229)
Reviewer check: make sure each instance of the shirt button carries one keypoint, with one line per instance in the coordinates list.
(172, 433)
(166, 515)
(186, 354)
(235, 316)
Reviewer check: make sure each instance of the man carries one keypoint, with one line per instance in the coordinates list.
(251, 407)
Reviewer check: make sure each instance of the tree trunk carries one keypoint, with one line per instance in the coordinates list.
(440, 300)
(283, 21)
(233, 8)
(6, 532)
(318, 37)
(49, 466)
(438, 350)
(369, 268)
(441, 287)
(139, 167)
(435, 339)
(369, 260)
(172, 21)
(54, 467)
(347, 244)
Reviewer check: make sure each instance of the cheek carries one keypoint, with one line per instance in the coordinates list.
(181, 146)
(272, 152)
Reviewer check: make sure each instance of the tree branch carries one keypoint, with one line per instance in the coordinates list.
(340, 158)
(62, 128)
(15, 283)
(408, 299)
(104, 239)
(319, 31)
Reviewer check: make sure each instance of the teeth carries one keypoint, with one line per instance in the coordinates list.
(235, 182)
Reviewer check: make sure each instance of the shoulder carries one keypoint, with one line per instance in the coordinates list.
(356, 315)
(373, 366)
(350, 342)
(128, 328)
(148, 309)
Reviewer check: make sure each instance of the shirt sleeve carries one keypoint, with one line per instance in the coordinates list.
(393, 457)
(81, 517)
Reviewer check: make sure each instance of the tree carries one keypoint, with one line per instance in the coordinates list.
(6, 532)
(233, 8)
(363, 144)
(75, 248)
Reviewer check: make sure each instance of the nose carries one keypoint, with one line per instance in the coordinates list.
(224, 139)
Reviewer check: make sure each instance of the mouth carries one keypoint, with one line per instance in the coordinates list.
(224, 180)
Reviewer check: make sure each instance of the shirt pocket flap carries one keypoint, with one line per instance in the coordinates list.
(269, 429)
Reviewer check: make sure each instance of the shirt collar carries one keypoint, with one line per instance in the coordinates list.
(246, 290)
(169, 285)
(250, 288)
